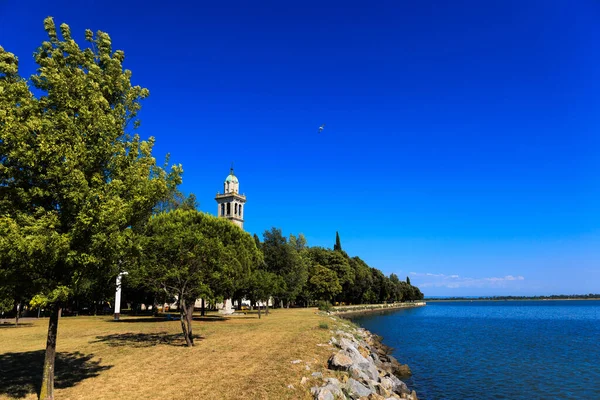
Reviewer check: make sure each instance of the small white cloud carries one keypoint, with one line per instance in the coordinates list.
(428, 279)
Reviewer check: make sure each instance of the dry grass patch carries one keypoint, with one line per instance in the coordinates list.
(145, 358)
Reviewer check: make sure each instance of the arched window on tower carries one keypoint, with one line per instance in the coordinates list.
(235, 209)
(222, 209)
(240, 210)
(228, 208)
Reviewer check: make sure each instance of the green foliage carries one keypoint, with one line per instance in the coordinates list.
(323, 325)
(59, 294)
(338, 245)
(323, 283)
(73, 177)
(190, 254)
(324, 306)
(284, 260)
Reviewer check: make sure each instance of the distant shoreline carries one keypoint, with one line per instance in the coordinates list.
(523, 299)
(369, 308)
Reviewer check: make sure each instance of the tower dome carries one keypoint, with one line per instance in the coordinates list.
(231, 177)
(231, 184)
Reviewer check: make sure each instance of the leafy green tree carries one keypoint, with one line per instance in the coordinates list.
(363, 280)
(323, 283)
(263, 285)
(408, 280)
(283, 259)
(298, 242)
(338, 262)
(74, 177)
(190, 254)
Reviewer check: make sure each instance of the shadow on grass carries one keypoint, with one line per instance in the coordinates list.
(12, 325)
(175, 318)
(143, 339)
(22, 372)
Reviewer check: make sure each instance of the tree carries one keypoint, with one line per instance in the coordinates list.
(262, 286)
(75, 179)
(336, 261)
(189, 254)
(323, 283)
(283, 259)
(338, 245)
(408, 280)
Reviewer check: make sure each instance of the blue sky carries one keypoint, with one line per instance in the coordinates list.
(461, 137)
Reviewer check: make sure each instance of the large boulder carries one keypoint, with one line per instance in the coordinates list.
(340, 361)
(356, 390)
(397, 385)
(332, 390)
(322, 393)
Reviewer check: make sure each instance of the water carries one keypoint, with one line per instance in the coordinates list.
(496, 350)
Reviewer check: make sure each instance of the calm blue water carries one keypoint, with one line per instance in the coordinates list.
(497, 350)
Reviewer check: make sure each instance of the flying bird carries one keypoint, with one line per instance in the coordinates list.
(321, 128)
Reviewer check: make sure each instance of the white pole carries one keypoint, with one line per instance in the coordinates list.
(118, 296)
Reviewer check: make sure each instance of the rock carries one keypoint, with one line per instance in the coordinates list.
(296, 361)
(403, 370)
(374, 396)
(397, 385)
(358, 374)
(386, 383)
(413, 396)
(340, 361)
(307, 367)
(303, 380)
(383, 391)
(397, 368)
(356, 389)
(322, 393)
(332, 381)
(317, 375)
(364, 352)
(290, 386)
(345, 344)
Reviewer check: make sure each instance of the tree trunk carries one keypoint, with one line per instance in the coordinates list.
(202, 308)
(267, 307)
(259, 312)
(281, 303)
(185, 314)
(47, 390)
(17, 314)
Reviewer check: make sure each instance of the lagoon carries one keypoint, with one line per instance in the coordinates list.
(496, 349)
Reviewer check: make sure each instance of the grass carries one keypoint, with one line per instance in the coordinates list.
(145, 358)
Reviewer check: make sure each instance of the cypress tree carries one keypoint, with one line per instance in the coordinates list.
(338, 245)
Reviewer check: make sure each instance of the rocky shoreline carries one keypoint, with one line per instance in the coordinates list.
(365, 369)
(368, 308)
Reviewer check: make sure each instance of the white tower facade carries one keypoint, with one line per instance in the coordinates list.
(231, 204)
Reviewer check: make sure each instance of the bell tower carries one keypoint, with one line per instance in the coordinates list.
(230, 203)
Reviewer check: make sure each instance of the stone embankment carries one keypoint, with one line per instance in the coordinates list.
(365, 308)
(365, 369)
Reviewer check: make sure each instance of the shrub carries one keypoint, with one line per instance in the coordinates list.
(324, 305)
(323, 325)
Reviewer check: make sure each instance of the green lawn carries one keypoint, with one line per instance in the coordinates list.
(145, 358)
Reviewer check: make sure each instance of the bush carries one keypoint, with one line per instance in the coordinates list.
(324, 306)
(323, 325)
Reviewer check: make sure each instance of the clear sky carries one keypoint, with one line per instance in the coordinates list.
(461, 140)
